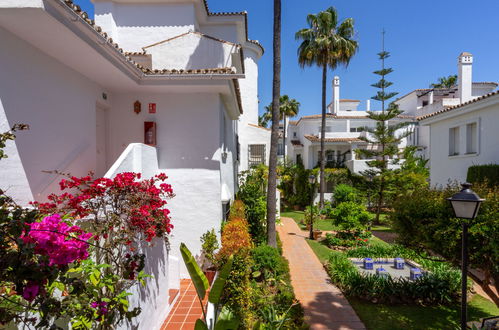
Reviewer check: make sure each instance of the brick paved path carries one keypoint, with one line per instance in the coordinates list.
(324, 304)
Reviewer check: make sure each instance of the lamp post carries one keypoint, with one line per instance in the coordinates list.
(465, 205)
(311, 180)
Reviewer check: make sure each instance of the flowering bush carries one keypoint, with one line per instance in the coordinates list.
(62, 243)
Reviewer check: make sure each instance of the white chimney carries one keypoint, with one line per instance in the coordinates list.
(368, 105)
(336, 94)
(430, 98)
(465, 62)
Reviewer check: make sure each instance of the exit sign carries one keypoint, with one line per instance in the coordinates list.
(152, 107)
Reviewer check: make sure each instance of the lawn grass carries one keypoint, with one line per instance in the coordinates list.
(387, 317)
(321, 224)
(321, 251)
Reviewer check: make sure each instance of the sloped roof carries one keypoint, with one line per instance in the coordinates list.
(315, 138)
(126, 55)
(448, 109)
(202, 35)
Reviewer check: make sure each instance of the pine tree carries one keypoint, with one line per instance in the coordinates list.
(385, 136)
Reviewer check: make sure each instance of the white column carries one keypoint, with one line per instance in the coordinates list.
(465, 62)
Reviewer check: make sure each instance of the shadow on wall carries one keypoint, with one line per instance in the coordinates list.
(148, 297)
(209, 54)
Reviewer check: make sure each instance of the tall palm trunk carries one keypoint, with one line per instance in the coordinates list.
(274, 138)
(284, 142)
(323, 133)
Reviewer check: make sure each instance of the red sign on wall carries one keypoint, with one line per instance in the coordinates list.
(152, 107)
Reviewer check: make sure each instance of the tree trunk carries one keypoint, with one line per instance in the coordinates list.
(284, 142)
(323, 133)
(274, 138)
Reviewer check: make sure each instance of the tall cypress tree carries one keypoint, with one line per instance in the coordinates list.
(385, 137)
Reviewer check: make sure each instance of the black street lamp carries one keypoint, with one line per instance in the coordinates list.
(465, 205)
(311, 180)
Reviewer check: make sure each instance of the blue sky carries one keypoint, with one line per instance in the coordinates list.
(424, 38)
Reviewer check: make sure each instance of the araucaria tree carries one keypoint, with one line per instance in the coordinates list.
(327, 44)
(274, 137)
(287, 108)
(385, 136)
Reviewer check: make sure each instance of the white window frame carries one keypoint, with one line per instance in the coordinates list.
(472, 141)
(454, 145)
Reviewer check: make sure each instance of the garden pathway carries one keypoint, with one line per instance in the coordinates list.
(324, 304)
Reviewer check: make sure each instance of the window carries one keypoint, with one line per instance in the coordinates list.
(294, 134)
(454, 141)
(425, 103)
(280, 149)
(356, 129)
(471, 138)
(256, 154)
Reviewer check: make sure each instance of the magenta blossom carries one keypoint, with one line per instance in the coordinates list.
(63, 244)
(100, 306)
(31, 291)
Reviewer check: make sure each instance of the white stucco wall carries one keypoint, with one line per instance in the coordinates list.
(191, 51)
(444, 167)
(59, 105)
(252, 135)
(156, 22)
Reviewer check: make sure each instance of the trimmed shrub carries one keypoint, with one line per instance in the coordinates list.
(344, 193)
(237, 209)
(252, 195)
(484, 174)
(235, 238)
(350, 216)
(268, 262)
(440, 286)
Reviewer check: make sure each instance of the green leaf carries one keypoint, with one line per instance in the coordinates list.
(218, 285)
(256, 274)
(227, 320)
(198, 278)
(200, 325)
(93, 279)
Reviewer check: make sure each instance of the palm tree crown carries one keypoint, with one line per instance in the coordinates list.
(287, 108)
(325, 42)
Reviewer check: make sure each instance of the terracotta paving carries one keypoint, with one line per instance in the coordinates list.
(186, 310)
(324, 304)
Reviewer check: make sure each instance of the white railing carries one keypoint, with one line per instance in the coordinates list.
(137, 157)
(360, 165)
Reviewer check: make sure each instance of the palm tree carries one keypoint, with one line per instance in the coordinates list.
(287, 108)
(327, 45)
(274, 137)
(445, 82)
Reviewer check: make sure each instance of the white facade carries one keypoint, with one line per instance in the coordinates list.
(75, 84)
(423, 102)
(344, 127)
(463, 136)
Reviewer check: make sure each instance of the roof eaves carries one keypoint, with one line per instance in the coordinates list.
(445, 110)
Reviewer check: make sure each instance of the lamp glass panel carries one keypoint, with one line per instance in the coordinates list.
(464, 210)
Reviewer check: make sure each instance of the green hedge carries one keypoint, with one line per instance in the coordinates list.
(482, 173)
(440, 286)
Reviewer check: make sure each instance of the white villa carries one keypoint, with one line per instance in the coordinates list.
(344, 124)
(427, 101)
(452, 127)
(147, 86)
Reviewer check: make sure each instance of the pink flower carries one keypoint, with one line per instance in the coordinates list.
(63, 244)
(31, 291)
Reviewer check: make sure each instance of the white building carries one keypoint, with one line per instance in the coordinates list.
(462, 136)
(344, 127)
(149, 86)
(426, 101)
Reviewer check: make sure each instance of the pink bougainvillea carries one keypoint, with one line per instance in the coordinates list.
(62, 243)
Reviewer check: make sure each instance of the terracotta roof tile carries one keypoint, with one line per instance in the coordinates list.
(126, 55)
(315, 138)
(349, 100)
(447, 109)
(265, 128)
(296, 143)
